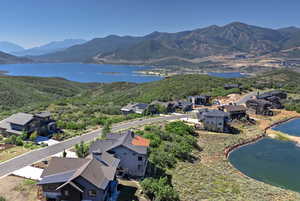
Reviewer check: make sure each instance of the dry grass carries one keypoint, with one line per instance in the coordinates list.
(18, 189)
(212, 177)
(12, 152)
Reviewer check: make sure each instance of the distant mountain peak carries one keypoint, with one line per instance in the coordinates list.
(162, 47)
(50, 47)
(10, 47)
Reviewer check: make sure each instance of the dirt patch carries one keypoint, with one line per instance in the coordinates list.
(18, 189)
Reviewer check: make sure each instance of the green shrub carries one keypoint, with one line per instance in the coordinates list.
(19, 141)
(159, 189)
(2, 198)
(82, 150)
(33, 136)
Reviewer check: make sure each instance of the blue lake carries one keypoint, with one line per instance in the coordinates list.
(271, 161)
(227, 75)
(81, 72)
(291, 127)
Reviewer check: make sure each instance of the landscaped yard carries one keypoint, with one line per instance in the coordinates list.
(18, 189)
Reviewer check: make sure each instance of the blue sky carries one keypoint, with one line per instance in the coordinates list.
(35, 22)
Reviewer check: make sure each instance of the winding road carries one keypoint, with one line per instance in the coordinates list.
(34, 156)
(246, 97)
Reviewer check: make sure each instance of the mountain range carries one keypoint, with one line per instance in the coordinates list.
(160, 48)
(185, 46)
(11, 59)
(10, 47)
(48, 48)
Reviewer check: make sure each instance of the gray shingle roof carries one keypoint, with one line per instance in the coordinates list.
(116, 140)
(43, 114)
(20, 118)
(66, 170)
(135, 107)
(215, 113)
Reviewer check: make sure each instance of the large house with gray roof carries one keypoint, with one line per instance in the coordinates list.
(18, 123)
(214, 120)
(78, 179)
(138, 108)
(130, 148)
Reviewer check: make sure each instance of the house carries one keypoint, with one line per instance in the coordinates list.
(199, 100)
(184, 106)
(234, 111)
(260, 106)
(232, 86)
(274, 97)
(78, 179)
(130, 148)
(214, 120)
(138, 108)
(18, 123)
(170, 107)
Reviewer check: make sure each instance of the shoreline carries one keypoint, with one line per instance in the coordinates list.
(231, 148)
(3, 72)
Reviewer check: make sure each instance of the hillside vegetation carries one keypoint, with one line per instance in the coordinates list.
(11, 59)
(16, 92)
(79, 106)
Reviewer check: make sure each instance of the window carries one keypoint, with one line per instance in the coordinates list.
(139, 167)
(111, 152)
(92, 193)
(140, 158)
(133, 154)
(66, 192)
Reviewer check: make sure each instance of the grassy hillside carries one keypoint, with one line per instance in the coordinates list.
(24, 91)
(16, 92)
(79, 106)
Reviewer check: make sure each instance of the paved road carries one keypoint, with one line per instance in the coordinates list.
(244, 99)
(37, 155)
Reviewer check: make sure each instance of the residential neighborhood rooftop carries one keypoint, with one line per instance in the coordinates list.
(65, 170)
(20, 118)
(127, 139)
(215, 113)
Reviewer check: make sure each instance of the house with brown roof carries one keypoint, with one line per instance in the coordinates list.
(260, 106)
(77, 179)
(129, 148)
(274, 97)
(234, 111)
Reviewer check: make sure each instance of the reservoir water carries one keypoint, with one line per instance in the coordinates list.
(91, 72)
(81, 72)
(227, 75)
(272, 161)
(291, 127)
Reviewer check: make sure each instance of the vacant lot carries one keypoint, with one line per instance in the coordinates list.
(11, 153)
(18, 189)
